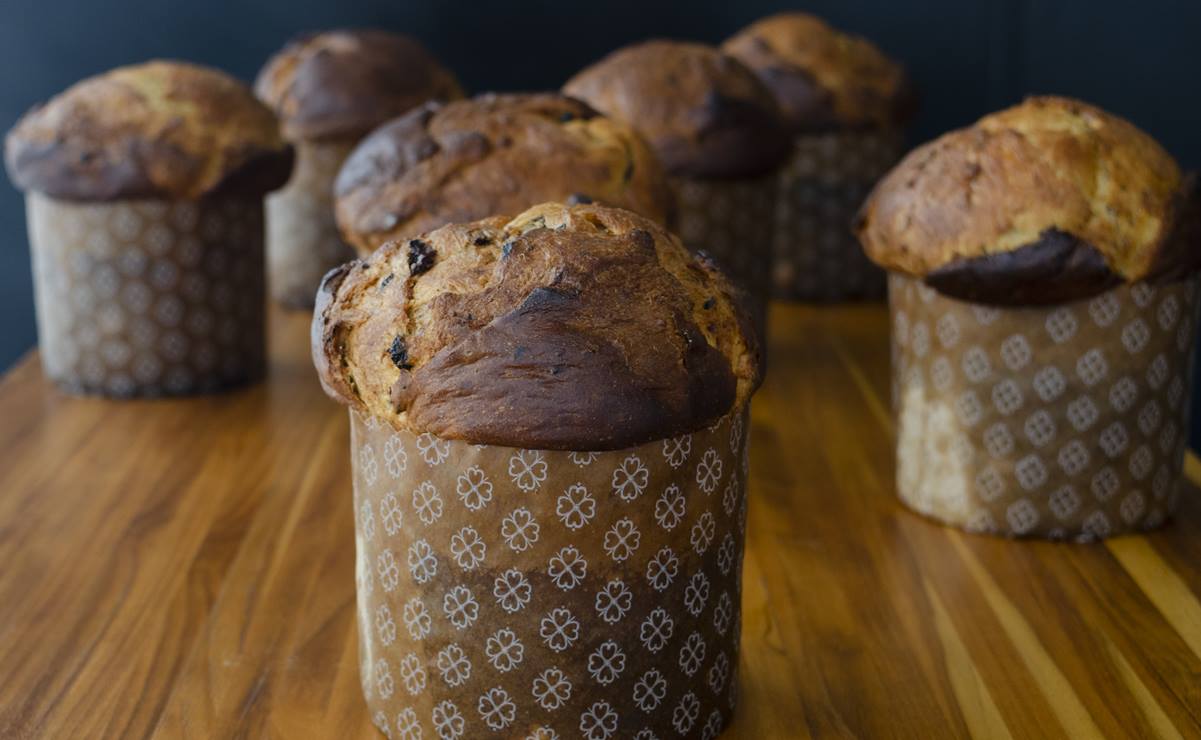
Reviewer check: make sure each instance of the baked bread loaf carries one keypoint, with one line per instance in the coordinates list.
(167, 130)
(342, 84)
(821, 77)
(1050, 201)
(703, 112)
(492, 154)
(566, 327)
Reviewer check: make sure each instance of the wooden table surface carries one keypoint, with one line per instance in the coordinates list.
(185, 569)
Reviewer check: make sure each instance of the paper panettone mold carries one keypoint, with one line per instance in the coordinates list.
(1043, 291)
(815, 256)
(732, 221)
(1068, 422)
(148, 298)
(303, 242)
(845, 104)
(550, 473)
(528, 593)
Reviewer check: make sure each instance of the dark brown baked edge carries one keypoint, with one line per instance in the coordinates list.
(807, 107)
(1059, 267)
(478, 389)
(113, 172)
(733, 139)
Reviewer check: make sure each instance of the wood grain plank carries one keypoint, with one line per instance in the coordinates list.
(184, 569)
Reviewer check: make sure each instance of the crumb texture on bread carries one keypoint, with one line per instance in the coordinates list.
(162, 129)
(1048, 201)
(344, 83)
(492, 154)
(566, 327)
(703, 112)
(823, 78)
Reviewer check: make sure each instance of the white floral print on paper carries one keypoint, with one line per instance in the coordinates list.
(1006, 430)
(391, 514)
(662, 569)
(584, 459)
(527, 468)
(551, 689)
(454, 665)
(448, 722)
(433, 450)
(606, 663)
(504, 650)
(468, 594)
(408, 727)
(656, 629)
(622, 540)
(575, 506)
(649, 690)
(559, 629)
(599, 722)
(670, 508)
(412, 674)
(567, 568)
(676, 449)
(416, 618)
(708, 472)
(519, 530)
(396, 460)
(427, 502)
(474, 488)
(613, 601)
(630, 478)
(511, 590)
(468, 548)
(460, 607)
(423, 564)
(496, 708)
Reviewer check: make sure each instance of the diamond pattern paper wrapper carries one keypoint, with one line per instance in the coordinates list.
(506, 592)
(732, 220)
(815, 257)
(148, 298)
(302, 235)
(1059, 422)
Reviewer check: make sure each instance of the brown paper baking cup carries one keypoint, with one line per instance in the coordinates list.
(148, 298)
(816, 258)
(302, 236)
(508, 592)
(1059, 422)
(732, 221)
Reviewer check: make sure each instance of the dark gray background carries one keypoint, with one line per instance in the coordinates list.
(1141, 60)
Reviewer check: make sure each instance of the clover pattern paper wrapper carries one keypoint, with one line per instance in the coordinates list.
(303, 242)
(815, 256)
(148, 298)
(1060, 422)
(732, 221)
(507, 592)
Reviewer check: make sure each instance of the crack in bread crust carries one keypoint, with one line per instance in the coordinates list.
(567, 327)
(492, 154)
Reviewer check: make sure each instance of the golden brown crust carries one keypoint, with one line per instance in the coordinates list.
(342, 84)
(703, 112)
(492, 154)
(1047, 180)
(567, 327)
(823, 78)
(155, 130)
